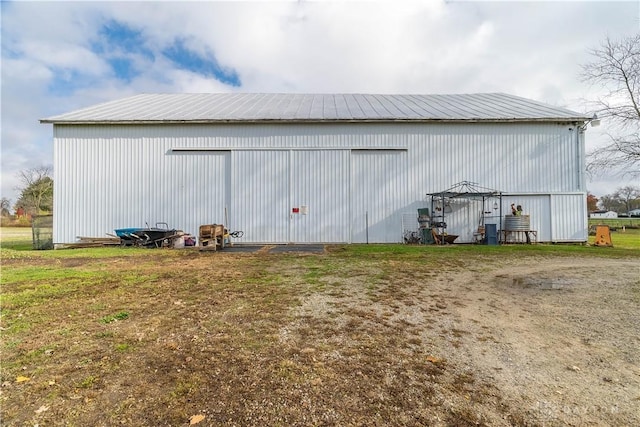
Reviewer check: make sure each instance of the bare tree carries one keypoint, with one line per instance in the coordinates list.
(36, 194)
(609, 202)
(622, 200)
(628, 196)
(616, 66)
(5, 205)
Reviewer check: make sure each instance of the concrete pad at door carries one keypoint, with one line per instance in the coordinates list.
(242, 248)
(316, 249)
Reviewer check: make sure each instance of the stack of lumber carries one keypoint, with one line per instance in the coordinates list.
(93, 242)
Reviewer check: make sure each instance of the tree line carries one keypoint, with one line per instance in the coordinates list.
(622, 201)
(36, 193)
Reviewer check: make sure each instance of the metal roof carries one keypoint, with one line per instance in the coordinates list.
(274, 107)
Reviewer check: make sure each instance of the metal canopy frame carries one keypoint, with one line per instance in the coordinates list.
(464, 190)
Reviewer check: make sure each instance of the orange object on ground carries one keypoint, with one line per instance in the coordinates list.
(603, 236)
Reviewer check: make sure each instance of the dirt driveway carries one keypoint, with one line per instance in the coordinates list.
(438, 337)
(553, 343)
(566, 339)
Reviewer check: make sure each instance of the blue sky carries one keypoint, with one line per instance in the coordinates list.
(61, 56)
(127, 52)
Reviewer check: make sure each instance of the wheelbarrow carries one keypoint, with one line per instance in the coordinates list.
(149, 237)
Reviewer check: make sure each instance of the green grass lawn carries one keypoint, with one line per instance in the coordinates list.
(616, 222)
(629, 238)
(110, 336)
(16, 242)
(19, 239)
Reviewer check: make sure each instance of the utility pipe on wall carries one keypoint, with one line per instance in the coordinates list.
(366, 220)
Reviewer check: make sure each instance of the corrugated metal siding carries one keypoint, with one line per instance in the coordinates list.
(378, 191)
(540, 158)
(120, 176)
(320, 182)
(537, 207)
(569, 218)
(198, 192)
(462, 218)
(110, 183)
(465, 215)
(510, 158)
(260, 195)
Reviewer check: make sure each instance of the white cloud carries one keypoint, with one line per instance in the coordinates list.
(531, 49)
(24, 70)
(64, 55)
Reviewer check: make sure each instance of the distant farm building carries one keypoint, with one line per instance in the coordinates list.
(634, 212)
(603, 214)
(288, 168)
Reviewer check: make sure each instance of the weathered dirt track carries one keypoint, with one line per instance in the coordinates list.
(556, 343)
(315, 339)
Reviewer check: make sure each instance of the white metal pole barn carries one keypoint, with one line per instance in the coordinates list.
(304, 168)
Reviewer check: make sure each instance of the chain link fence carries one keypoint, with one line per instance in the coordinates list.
(42, 230)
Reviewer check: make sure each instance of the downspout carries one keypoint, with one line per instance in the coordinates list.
(580, 140)
(580, 154)
(56, 193)
(500, 230)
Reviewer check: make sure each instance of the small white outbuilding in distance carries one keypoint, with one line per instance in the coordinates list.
(603, 214)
